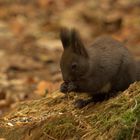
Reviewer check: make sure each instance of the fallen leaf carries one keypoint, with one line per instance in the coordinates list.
(44, 87)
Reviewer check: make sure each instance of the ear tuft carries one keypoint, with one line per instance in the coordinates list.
(77, 43)
(71, 38)
(65, 36)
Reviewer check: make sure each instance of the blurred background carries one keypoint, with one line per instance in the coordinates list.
(30, 47)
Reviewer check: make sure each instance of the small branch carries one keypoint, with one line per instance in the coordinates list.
(136, 103)
(133, 132)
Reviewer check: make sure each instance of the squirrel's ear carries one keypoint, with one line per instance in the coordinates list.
(65, 37)
(77, 44)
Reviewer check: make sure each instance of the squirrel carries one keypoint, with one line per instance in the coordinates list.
(103, 67)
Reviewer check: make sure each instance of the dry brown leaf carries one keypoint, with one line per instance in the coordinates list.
(44, 87)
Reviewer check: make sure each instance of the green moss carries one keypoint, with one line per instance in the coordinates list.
(124, 134)
(137, 111)
(105, 120)
(130, 120)
(61, 128)
(129, 117)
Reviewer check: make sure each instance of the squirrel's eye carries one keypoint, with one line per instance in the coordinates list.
(74, 66)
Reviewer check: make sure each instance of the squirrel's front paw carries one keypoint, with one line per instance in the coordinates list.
(64, 87)
(71, 87)
(80, 103)
(68, 87)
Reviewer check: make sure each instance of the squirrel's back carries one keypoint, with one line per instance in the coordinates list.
(114, 62)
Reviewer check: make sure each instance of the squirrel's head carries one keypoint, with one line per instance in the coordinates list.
(74, 60)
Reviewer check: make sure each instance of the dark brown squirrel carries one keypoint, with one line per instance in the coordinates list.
(105, 66)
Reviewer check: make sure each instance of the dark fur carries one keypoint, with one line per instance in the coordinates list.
(90, 69)
(138, 70)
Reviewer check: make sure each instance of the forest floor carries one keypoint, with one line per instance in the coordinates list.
(30, 51)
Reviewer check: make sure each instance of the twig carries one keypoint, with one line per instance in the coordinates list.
(52, 138)
(133, 132)
(136, 103)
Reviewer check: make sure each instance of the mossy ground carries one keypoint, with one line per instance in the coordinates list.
(56, 118)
